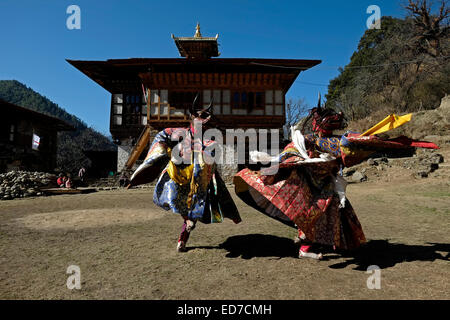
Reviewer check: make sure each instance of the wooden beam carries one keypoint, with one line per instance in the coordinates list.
(148, 105)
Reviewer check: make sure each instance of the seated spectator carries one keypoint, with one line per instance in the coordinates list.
(61, 181)
(68, 181)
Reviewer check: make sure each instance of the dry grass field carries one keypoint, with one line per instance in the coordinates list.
(125, 248)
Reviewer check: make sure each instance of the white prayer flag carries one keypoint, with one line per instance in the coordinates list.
(36, 142)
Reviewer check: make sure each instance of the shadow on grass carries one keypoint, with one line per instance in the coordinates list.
(376, 252)
(258, 245)
(386, 255)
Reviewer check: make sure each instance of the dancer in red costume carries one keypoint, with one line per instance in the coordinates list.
(305, 190)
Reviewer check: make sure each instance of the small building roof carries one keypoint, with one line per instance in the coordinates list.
(53, 122)
(197, 47)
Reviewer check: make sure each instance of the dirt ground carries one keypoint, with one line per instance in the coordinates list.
(125, 248)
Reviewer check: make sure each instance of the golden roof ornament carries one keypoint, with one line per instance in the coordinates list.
(197, 31)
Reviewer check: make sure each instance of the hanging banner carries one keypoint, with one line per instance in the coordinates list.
(36, 142)
(144, 92)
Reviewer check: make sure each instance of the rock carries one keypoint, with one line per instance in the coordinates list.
(372, 162)
(359, 177)
(348, 172)
(421, 174)
(436, 158)
(15, 184)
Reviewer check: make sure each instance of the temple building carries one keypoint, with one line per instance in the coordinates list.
(246, 92)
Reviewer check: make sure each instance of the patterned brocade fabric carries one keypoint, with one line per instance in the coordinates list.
(329, 145)
(301, 195)
(353, 148)
(194, 190)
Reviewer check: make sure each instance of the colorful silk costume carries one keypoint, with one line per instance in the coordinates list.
(194, 190)
(306, 192)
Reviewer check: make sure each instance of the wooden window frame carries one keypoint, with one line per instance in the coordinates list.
(130, 115)
(247, 105)
(274, 104)
(12, 132)
(170, 105)
(113, 113)
(202, 102)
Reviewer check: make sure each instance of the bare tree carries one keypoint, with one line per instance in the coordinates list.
(431, 28)
(295, 111)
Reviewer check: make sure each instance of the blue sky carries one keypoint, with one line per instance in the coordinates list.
(35, 40)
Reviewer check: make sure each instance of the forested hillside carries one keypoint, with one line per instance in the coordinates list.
(402, 67)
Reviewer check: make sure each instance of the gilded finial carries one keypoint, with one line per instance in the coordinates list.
(197, 31)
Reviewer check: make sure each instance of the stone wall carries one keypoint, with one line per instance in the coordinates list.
(125, 148)
(123, 152)
(229, 168)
